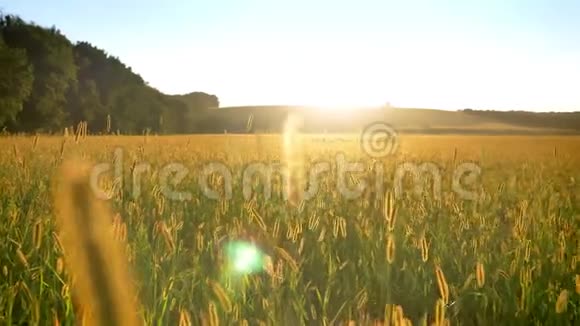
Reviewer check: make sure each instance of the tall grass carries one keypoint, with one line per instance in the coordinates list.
(510, 257)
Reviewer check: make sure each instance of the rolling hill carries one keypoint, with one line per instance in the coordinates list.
(406, 120)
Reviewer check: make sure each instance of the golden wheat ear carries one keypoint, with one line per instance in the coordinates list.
(95, 259)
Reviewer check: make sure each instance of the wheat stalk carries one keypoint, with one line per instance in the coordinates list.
(94, 258)
(480, 274)
(562, 302)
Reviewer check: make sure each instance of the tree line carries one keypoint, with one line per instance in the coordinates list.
(48, 83)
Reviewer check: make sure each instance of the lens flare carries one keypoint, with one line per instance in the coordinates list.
(244, 257)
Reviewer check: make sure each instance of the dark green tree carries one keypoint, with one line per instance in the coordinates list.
(15, 82)
(51, 56)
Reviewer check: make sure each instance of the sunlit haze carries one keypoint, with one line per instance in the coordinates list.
(431, 54)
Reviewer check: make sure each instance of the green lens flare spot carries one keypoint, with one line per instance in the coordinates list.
(244, 257)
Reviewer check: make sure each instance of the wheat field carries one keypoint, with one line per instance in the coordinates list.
(509, 255)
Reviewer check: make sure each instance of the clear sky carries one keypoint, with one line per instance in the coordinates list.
(488, 54)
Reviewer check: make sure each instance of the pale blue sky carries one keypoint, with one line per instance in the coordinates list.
(489, 54)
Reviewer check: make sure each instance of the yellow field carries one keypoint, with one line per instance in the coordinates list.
(504, 249)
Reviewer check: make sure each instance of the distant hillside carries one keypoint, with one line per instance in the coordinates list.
(271, 119)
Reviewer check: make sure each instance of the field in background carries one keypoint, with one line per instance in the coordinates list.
(510, 256)
(405, 120)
